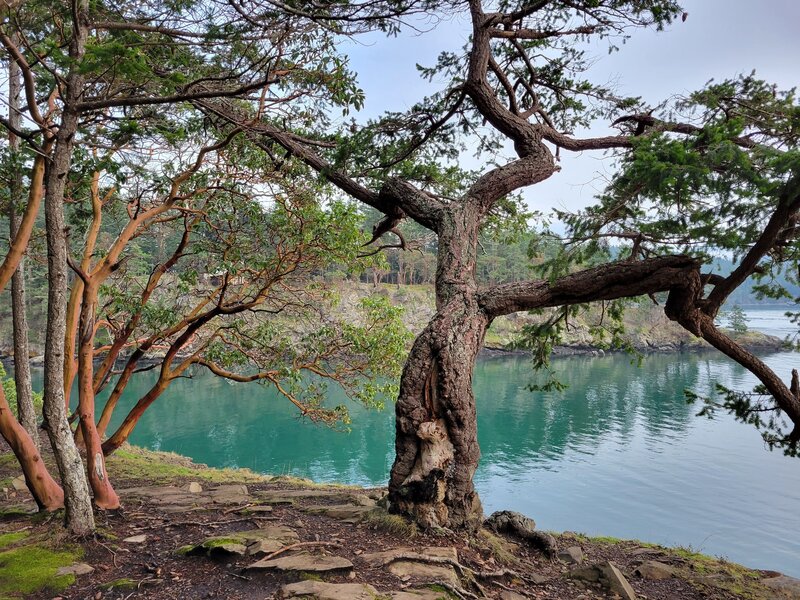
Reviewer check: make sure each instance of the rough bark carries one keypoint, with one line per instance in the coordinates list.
(683, 306)
(436, 431)
(610, 281)
(22, 371)
(79, 517)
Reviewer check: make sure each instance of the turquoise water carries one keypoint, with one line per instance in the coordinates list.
(620, 453)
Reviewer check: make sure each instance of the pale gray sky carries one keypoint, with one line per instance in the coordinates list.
(719, 39)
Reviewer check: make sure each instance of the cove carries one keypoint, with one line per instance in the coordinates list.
(619, 453)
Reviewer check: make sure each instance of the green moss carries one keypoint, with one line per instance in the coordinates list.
(606, 539)
(120, 584)
(301, 482)
(130, 462)
(445, 594)
(106, 534)
(6, 539)
(306, 576)
(186, 550)
(30, 569)
(211, 544)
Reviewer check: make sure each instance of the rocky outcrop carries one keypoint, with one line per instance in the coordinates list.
(522, 527)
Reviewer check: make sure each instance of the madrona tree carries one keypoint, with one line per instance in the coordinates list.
(100, 75)
(724, 178)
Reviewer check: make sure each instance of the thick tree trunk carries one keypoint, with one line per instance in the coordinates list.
(79, 517)
(436, 431)
(22, 371)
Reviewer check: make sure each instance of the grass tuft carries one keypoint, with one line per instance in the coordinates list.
(388, 523)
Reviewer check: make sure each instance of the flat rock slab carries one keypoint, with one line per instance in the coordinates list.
(271, 532)
(171, 496)
(254, 510)
(76, 569)
(18, 483)
(615, 581)
(292, 496)
(221, 544)
(377, 559)
(136, 539)
(571, 556)
(787, 587)
(304, 563)
(343, 512)
(253, 542)
(229, 494)
(506, 595)
(262, 547)
(405, 569)
(592, 574)
(420, 595)
(655, 570)
(322, 590)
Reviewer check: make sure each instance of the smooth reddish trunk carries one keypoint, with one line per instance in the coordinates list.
(104, 495)
(44, 489)
(122, 433)
(116, 393)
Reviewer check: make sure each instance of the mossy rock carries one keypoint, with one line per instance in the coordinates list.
(120, 584)
(28, 569)
(216, 546)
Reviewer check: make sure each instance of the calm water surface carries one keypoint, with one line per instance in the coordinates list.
(618, 453)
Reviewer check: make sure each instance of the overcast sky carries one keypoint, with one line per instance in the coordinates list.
(719, 39)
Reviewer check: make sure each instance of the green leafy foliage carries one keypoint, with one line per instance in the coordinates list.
(10, 391)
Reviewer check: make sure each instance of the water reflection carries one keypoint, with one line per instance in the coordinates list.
(607, 397)
(618, 453)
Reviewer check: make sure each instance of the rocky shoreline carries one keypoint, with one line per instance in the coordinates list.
(189, 531)
(754, 341)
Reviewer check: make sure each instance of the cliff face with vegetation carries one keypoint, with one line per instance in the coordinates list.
(647, 328)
